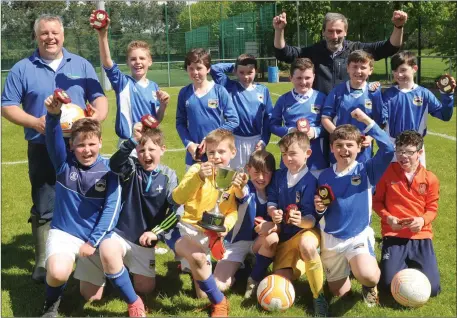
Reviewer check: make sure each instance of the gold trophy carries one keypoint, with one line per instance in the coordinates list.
(214, 219)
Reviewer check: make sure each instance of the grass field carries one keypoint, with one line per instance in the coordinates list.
(174, 294)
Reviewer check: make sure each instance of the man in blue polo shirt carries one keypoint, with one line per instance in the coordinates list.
(29, 83)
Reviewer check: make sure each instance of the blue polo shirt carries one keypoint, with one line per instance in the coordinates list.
(31, 81)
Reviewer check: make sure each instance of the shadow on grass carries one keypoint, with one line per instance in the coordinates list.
(344, 304)
(26, 296)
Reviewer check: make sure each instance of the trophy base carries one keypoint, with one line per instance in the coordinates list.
(211, 227)
(213, 222)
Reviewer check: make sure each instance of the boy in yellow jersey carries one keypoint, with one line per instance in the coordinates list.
(197, 192)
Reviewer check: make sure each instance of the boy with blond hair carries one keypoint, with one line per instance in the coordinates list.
(197, 192)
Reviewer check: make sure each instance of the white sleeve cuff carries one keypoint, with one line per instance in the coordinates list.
(369, 126)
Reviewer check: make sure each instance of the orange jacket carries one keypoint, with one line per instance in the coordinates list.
(395, 196)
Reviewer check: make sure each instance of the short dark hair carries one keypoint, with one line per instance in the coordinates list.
(346, 132)
(301, 64)
(198, 55)
(295, 137)
(262, 160)
(409, 138)
(403, 57)
(360, 56)
(245, 60)
(88, 127)
(153, 134)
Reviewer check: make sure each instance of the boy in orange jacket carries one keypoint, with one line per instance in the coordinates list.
(406, 199)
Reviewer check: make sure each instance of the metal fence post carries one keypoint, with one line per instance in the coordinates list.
(168, 44)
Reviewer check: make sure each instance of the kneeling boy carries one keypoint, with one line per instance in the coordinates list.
(406, 199)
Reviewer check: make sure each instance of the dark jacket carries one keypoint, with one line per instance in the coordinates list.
(331, 71)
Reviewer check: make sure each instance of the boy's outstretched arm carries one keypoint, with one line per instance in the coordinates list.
(379, 163)
(266, 132)
(218, 72)
(54, 135)
(103, 45)
(110, 212)
(443, 108)
(120, 163)
(276, 120)
(230, 114)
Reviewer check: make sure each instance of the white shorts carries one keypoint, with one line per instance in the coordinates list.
(139, 259)
(244, 147)
(336, 253)
(421, 158)
(60, 242)
(184, 229)
(133, 153)
(237, 252)
(87, 268)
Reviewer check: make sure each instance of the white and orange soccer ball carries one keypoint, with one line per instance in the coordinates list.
(70, 114)
(275, 293)
(410, 288)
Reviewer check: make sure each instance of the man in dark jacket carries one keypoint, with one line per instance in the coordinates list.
(330, 55)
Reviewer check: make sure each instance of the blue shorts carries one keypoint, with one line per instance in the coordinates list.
(400, 253)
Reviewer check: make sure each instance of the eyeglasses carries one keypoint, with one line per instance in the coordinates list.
(407, 153)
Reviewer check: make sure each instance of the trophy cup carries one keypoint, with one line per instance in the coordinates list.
(444, 83)
(214, 219)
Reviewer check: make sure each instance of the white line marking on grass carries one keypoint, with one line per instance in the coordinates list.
(442, 135)
(275, 94)
(107, 155)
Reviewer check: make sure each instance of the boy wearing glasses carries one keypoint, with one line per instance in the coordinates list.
(406, 199)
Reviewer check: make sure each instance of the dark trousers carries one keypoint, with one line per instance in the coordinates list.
(401, 253)
(42, 177)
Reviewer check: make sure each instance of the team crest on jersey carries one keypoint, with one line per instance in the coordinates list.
(154, 95)
(356, 179)
(297, 197)
(73, 176)
(152, 264)
(422, 188)
(418, 101)
(315, 109)
(368, 104)
(187, 103)
(100, 185)
(260, 97)
(213, 103)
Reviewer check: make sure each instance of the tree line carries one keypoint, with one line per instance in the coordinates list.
(148, 20)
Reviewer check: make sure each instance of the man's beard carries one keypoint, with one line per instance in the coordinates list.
(335, 45)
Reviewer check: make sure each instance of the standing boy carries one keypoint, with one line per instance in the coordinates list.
(302, 102)
(347, 238)
(409, 104)
(252, 102)
(353, 94)
(203, 106)
(406, 200)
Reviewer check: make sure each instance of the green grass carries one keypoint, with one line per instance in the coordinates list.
(174, 294)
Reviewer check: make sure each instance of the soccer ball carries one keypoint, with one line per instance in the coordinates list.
(70, 114)
(275, 293)
(410, 288)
